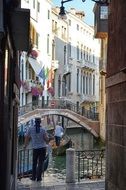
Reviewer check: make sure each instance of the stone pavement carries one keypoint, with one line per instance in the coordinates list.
(52, 184)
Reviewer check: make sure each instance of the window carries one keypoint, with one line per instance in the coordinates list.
(69, 21)
(33, 4)
(37, 40)
(90, 85)
(69, 49)
(93, 85)
(87, 84)
(77, 80)
(81, 83)
(69, 82)
(48, 43)
(81, 51)
(22, 69)
(53, 50)
(64, 54)
(38, 7)
(84, 84)
(103, 12)
(63, 32)
(78, 27)
(78, 51)
(59, 86)
(48, 14)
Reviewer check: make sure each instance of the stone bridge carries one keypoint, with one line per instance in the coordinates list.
(88, 124)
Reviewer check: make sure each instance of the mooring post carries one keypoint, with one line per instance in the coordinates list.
(70, 165)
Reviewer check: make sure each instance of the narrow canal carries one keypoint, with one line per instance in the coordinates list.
(57, 164)
(81, 140)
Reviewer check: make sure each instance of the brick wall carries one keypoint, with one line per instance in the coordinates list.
(116, 98)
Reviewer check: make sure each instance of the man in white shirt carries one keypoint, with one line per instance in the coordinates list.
(58, 133)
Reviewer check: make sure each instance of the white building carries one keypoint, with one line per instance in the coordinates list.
(77, 78)
(35, 66)
(64, 56)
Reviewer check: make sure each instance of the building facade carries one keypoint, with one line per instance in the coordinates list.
(78, 53)
(36, 65)
(101, 32)
(68, 55)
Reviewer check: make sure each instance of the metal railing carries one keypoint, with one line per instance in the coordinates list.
(24, 164)
(90, 164)
(59, 104)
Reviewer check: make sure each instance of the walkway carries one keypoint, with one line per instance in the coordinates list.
(26, 184)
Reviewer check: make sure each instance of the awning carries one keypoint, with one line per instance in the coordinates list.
(38, 68)
(36, 65)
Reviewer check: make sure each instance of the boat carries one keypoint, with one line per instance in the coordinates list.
(25, 163)
(61, 150)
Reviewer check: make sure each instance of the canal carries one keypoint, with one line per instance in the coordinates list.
(81, 140)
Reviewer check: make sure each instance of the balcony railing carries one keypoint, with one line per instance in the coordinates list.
(87, 65)
(89, 98)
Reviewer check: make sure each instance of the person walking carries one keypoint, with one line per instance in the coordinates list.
(58, 133)
(39, 139)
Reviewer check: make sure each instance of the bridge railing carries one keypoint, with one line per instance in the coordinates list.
(59, 104)
(90, 164)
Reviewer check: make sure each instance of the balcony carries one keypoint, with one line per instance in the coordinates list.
(32, 86)
(88, 98)
(84, 64)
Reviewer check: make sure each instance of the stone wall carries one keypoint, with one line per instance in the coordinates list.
(116, 97)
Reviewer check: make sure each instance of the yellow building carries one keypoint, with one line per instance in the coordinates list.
(101, 26)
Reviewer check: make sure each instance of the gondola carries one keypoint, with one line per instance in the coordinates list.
(61, 150)
(25, 164)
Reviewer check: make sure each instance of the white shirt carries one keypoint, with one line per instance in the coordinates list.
(58, 131)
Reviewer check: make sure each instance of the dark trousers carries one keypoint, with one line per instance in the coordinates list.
(57, 140)
(38, 160)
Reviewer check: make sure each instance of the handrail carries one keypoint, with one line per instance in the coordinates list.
(90, 164)
(60, 104)
(24, 164)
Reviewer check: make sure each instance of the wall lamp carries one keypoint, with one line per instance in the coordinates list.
(62, 13)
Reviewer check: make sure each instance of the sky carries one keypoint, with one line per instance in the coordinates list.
(86, 6)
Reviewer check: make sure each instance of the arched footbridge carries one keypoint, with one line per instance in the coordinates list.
(89, 124)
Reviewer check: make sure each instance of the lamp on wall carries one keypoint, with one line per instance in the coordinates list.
(62, 13)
